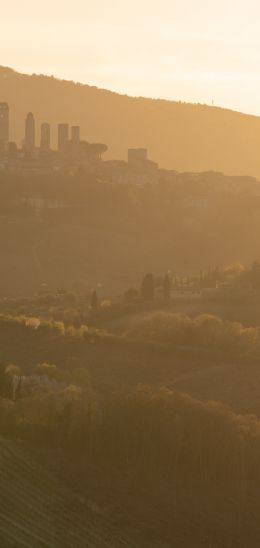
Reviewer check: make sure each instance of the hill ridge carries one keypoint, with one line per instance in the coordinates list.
(76, 83)
(181, 136)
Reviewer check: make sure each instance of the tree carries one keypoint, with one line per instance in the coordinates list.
(201, 279)
(131, 295)
(94, 300)
(18, 390)
(46, 370)
(3, 380)
(147, 287)
(167, 285)
(255, 275)
(6, 382)
(96, 150)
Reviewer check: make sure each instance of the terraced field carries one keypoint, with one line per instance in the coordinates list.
(37, 511)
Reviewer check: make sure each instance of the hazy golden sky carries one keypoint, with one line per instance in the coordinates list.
(193, 50)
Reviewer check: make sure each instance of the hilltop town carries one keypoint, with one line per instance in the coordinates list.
(70, 151)
(70, 154)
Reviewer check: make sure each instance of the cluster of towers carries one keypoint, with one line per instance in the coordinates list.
(65, 136)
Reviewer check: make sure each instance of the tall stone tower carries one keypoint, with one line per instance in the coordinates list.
(29, 133)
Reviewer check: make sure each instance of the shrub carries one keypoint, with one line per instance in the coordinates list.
(205, 331)
(46, 369)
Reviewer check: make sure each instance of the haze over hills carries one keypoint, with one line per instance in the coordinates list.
(179, 136)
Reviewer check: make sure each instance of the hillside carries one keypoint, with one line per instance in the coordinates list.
(111, 235)
(158, 465)
(38, 511)
(181, 136)
(205, 373)
(170, 470)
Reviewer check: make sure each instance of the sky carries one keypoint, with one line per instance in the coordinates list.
(189, 50)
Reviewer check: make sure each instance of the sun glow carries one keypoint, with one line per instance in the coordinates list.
(184, 50)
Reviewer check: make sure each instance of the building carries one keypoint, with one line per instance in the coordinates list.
(4, 126)
(75, 134)
(138, 160)
(63, 137)
(29, 143)
(12, 151)
(137, 155)
(45, 137)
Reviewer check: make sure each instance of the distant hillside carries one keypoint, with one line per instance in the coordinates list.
(181, 136)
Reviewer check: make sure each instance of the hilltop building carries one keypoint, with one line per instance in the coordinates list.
(63, 137)
(75, 134)
(71, 153)
(29, 143)
(45, 137)
(137, 155)
(138, 170)
(138, 159)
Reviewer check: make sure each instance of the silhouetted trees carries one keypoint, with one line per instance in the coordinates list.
(94, 301)
(97, 150)
(179, 448)
(131, 295)
(93, 151)
(238, 276)
(254, 275)
(167, 285)
(147, 287)
(2, 380)
(5, 382)
(46, 369)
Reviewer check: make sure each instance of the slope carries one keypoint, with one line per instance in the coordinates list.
(37, 511)
(181, 136)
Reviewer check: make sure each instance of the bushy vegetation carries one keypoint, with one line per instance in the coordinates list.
(143, 431)
(204, 331)
(163, 450)
(58, 351)
(138, 451)
(49, 327)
